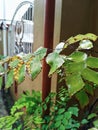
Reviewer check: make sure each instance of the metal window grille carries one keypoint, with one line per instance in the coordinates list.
(21, 32)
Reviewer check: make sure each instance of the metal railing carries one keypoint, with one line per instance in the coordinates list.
(20, 33)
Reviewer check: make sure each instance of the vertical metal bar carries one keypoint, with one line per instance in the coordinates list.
(4, 38)
(48, 43)
(4, 31)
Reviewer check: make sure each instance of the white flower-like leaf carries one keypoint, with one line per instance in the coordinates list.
(85, 44)
(59, 47)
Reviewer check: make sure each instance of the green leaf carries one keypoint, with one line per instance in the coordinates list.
(84, 121)
(73, 67)
(59, 117)
(47, 99)
(60, 111)
(57, 124)
(5, 59)
(35, 67)
(1, 69)
(10, 79)
(92, 62)
(74, 83)
(67, 115)
(62, 127)
(85, 44)
(96, 123)
(18, 114)
(92, 115)
(65, 121)
(26, 57)
(55, 61)
(89, 89)
(83, 99)
(2, 57)
(38, 120)
(21, 74)
(40, 53)
(1, 82)
(45, 106)
(90, 75)
(14, 63)
(19, 127)
(77, 56)
(73, 110)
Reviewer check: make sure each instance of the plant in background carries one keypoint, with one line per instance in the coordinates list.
(92, 116)
(92, 119)
(62, 116)
(27, 112)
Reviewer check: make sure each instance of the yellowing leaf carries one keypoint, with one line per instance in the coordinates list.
(14, 63)
(80, 37)
(75, 39)
(90, 36)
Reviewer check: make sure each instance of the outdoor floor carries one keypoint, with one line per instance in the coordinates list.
(3, 111)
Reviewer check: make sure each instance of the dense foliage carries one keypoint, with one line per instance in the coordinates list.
(77, 70)
(27, 113)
